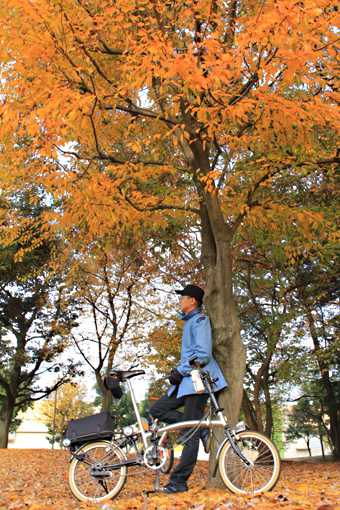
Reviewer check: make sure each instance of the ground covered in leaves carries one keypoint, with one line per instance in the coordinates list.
(37, 480)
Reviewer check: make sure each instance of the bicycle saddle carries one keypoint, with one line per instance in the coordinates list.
(123, 375)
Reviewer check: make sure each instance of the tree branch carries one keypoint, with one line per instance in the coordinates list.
(104, 157)
(255, 77)
(268, 175)
(160, 207)
(81, 352)
(136, 111)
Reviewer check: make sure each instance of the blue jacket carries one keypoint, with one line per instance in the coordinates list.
(196, 341)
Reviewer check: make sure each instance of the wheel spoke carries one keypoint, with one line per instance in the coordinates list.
(251, 479)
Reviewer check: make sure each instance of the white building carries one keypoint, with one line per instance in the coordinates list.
(299, 449)
(31, 433)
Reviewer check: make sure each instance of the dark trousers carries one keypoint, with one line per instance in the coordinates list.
(165, 409)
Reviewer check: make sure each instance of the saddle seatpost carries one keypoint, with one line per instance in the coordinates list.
(135, 407)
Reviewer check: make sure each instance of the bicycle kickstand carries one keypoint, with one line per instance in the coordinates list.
(156, 486)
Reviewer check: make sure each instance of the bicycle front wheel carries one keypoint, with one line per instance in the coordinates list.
(170, 458)
(88, 488)
(265, 464)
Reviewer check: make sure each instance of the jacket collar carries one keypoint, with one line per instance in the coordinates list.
(190, 314)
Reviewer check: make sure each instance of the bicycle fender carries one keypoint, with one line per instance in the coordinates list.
(75, 454)
(218, 457)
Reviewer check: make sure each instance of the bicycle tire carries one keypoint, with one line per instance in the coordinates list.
(264, 471)
(170, 460)
(85, 487)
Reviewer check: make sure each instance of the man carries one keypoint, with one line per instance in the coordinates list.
(196, 341)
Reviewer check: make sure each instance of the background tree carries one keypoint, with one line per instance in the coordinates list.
(286, 306)
(321, 311)
(71, 404)
(123, 411)
(165, 353)
(36, 314)
(305, 421)
(266, 319)
(113, 287)
(276, 322)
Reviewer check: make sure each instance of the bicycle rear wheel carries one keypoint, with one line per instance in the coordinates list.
(88, 488)
(264, 470)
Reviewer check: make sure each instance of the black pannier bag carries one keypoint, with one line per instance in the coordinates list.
(91, 428)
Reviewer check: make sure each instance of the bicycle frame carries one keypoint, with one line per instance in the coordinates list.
(221, 422)
(174, 426)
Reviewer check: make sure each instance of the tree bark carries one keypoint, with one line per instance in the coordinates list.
(308, 447)
(268, 404)
(248, 411)
(11, 387)
(107, 397)
(6, 414)
(322, 447)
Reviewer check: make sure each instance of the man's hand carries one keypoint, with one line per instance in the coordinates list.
(175, 377)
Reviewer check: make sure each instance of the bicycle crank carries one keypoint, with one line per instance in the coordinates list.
(155, 458)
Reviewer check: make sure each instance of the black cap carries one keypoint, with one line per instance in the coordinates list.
(192, 291)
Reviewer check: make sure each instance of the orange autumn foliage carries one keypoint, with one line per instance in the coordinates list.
(131, 92)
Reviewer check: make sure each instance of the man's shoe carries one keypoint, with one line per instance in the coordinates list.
(205, 437)
(174, 488)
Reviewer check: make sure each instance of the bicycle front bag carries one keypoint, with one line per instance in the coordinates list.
(91, 428)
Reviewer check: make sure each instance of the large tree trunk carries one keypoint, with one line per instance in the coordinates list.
(11, 387)
(5, 420)
(217, 237)
(228, 348)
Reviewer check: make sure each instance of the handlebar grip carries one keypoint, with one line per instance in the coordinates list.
(192, 361)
